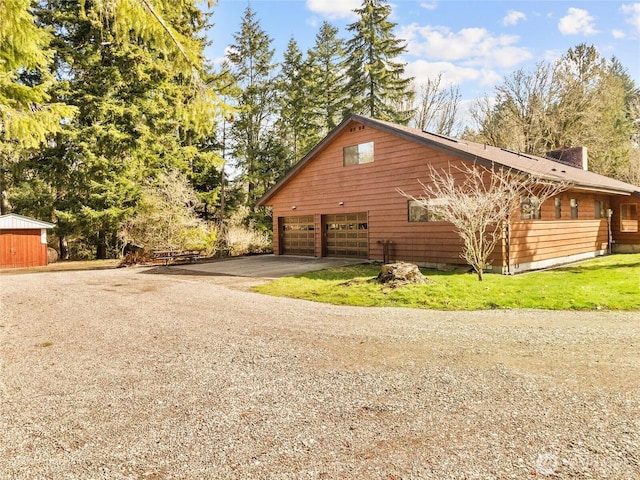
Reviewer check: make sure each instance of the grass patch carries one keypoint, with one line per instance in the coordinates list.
(608, 283)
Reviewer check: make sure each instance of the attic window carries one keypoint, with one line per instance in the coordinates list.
(357, 154)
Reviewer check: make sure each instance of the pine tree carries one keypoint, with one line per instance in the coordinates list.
(294, 126)
(27, 115)
(376, 82)
(251, 58)
(326, 80)
(139, 113)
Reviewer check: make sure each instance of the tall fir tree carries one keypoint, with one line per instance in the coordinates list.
(376, 79)
(294, 125)
(139, 113)
(27, 114)
(326, 80)
(251, 60)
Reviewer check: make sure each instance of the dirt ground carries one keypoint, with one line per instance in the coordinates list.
(153, 373)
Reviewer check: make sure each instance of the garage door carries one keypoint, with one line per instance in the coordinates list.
(297, 235)
(346, 235)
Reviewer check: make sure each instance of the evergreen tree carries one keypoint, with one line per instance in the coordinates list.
(326, 79)
(376, 82)
(27, 114)
(138, 114)
(251, 58)
(294, 125)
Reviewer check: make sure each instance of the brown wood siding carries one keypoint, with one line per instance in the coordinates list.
(371, 188)
(537, 240)
(325, 187)
(22, 248)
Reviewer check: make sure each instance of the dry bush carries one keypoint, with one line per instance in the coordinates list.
(166, 218)
(241, 239)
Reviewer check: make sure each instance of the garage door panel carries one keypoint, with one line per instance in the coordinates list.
(297, 235)
(346, 235)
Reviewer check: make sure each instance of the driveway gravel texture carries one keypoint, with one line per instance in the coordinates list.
(154, 373)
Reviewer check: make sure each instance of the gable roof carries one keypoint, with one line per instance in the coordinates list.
(485, 155)
(12, 221)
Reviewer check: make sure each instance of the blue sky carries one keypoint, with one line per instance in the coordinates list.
(474, 44)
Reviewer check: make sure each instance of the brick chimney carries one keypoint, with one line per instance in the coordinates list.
(574, 157)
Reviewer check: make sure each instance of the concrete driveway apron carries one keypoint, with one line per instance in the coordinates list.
(266, 266)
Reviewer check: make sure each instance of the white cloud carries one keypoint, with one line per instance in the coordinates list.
(633, 12)
(618, 34)
(332, 9)
(513, 17)
(552, 55)
(471, 46)
(576, 22)
(452, 74)
(429, 5)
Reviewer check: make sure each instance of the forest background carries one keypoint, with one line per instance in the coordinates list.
(116, 128)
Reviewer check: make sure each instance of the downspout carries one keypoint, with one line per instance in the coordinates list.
(508, 243)
(610, 235)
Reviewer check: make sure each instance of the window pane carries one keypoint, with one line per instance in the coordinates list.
(417, 213)
(530, 208)
(628, 217)
(350, 155)
(574, 207)
(558, 208)
(365, 152)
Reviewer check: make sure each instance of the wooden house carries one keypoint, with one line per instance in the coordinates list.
(342, 200)
(23, 241)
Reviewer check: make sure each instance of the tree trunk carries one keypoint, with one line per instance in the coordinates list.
(101, 251)
(64, 248)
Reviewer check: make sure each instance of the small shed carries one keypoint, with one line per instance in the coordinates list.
(23, 241)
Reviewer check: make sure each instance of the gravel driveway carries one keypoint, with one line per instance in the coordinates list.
(123, 374)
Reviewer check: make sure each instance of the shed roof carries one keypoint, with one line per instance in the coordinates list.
(18, 222)
(474, 152)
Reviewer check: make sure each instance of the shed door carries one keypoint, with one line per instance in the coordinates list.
(297, 235)
(21, 248)
(346, 235)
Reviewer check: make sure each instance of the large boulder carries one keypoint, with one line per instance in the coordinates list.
(400, 273)
(52, 255)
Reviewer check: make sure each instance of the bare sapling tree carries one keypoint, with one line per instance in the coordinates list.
(481, 202)
(437, 107)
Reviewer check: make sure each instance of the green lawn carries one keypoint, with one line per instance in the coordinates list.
(609, 283)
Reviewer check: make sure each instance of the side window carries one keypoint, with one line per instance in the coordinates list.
(558, 207)
(600, 211)
(530, 208)
(574, 207)
(628, 217)
(417, 212)
(357, 154)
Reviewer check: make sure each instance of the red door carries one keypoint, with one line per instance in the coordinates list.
(22, 248)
